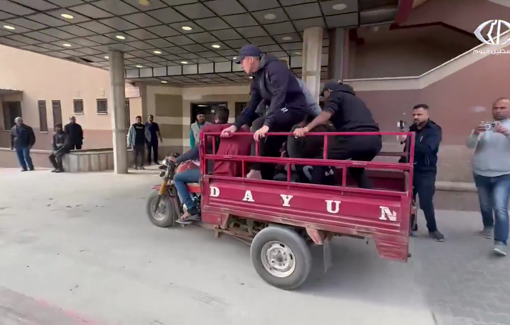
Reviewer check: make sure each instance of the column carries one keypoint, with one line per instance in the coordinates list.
(119, 113)
(312, 54)
(338, 53)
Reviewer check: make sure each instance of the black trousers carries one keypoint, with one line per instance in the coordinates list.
(152, 147)
(56, 158)
(77, 146)
(359, 147)
(424, 185)
(138, 153)
(284, 120)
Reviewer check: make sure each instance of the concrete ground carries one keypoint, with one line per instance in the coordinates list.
(79, 249)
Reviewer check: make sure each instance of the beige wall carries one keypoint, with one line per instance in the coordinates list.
(171, 108)
(45, 78)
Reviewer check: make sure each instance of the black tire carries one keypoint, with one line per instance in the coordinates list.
(300, 251)
(168, 215)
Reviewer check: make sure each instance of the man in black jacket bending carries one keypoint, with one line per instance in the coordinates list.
(347, 113)
(274, 83)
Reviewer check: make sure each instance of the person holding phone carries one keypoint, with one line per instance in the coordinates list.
(491, 171)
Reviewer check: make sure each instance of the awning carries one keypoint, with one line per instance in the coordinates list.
(6, 91)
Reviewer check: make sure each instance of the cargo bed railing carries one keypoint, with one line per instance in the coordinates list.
(288, 162)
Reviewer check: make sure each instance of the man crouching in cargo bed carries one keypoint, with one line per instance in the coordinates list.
(347, 113)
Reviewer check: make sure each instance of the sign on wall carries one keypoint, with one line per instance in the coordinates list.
(132, 92)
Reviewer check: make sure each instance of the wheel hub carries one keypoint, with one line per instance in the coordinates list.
(278, 259)
(159, 213)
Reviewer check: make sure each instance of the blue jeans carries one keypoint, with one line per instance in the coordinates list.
(493, 193)
(24, 159)
(180, 180)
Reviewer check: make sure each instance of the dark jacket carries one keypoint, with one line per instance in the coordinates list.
(75, 133)
(275, 84)
(61, 142)
(22, 137)
(349, 113)
(426, 147)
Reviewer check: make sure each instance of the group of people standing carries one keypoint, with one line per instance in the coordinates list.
(141, 136)
(64, 140)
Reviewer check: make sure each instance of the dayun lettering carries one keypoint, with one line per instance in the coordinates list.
(332, 206)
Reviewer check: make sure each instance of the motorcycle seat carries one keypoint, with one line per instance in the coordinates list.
(194, 187)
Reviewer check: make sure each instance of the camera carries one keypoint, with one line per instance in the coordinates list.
(490, 126)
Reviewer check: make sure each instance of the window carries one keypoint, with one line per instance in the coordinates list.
(102, 106)
(43, 119)
(11, 111)
(239, 107)
(78, 106)
(127, 107)
(57, 112)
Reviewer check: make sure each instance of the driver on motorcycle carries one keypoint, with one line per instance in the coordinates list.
(231, 146)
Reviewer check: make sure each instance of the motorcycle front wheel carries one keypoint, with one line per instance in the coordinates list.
(164, 214)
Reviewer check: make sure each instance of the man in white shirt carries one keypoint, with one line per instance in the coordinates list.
(491, 170)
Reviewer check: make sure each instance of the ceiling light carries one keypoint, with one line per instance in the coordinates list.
(144, 3)
(250, 77)
(216, 46)
(67, 16)
(120, 37)
(287, 38)
(184, 62)
(164, 81)
(298, 53)
(270, 16)
(106, 57)
(186, 28)
(339, 6)
(157, 52)
(9, 27)
(139, 66)
(66, 45)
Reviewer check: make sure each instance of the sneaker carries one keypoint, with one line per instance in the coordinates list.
(487, 232)
(437, 236)
(142, 168)
(54, 170)
(24, 170)
(59, 171)
(31, 169)
(500, 248)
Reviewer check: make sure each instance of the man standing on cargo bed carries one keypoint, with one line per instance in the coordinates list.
(274, 83)
(428, 136)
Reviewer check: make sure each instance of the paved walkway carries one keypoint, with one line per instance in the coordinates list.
(78, 249)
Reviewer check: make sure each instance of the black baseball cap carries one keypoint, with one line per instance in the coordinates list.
(331, 84)
(248, 50)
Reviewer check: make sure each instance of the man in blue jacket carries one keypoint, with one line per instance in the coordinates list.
(274, 83)
(428, 137)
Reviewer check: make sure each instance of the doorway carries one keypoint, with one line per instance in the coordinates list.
(208, 108)
(11, 111)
